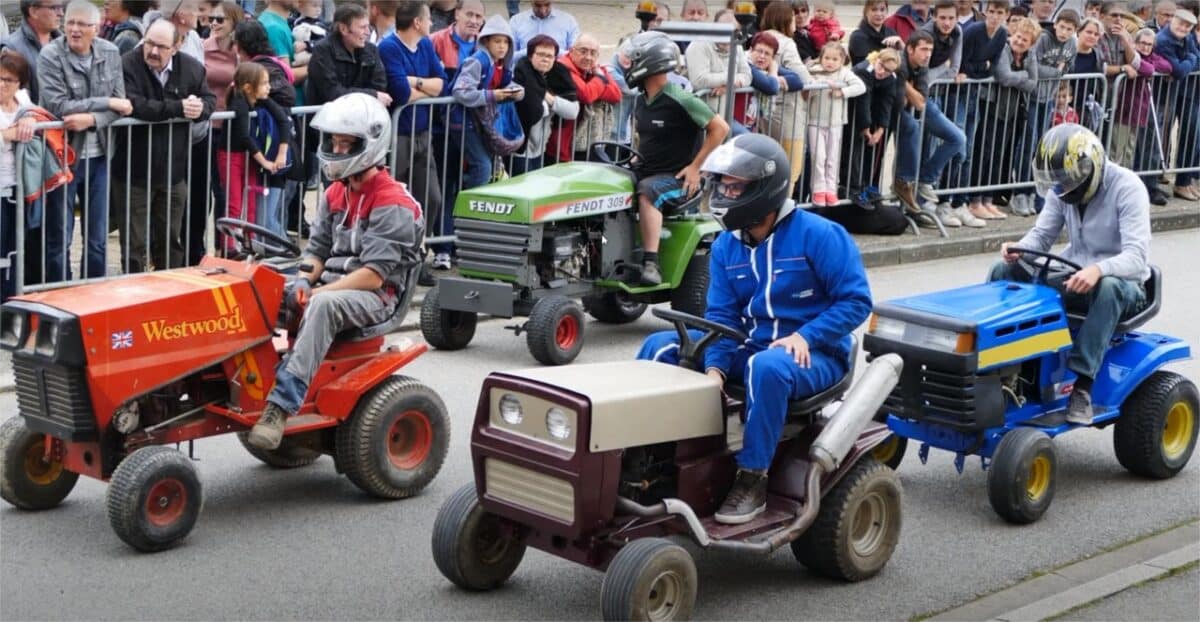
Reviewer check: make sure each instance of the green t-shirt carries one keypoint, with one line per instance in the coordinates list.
(669, 129)
(280, 36)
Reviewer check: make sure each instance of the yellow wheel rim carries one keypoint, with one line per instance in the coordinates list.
(886, 450)
(38, 469)
(1177, 430)
(1039, 478)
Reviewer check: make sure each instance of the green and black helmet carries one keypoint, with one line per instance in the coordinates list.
(1069, 163)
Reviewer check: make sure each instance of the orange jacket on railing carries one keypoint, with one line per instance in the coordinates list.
(46, 164)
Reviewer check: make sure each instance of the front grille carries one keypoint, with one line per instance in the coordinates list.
(965, 402)
(495, 247)
(529, 490)
(53, 398)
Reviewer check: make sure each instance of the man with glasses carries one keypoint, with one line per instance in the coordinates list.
(598, 93)
(544, 19)
(82, 85)
(40, 22)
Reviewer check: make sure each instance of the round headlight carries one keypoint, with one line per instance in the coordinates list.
(557, 423)
(510, 409)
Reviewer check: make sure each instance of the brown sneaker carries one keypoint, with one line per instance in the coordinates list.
(747, 498)
(1187, 193)
(908, 199)
(268, 432)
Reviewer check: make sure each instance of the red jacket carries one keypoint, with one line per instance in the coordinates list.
(905, 23)
(596, 86)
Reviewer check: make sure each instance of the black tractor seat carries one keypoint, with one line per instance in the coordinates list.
(805, 407)
(363, 333)
(1153, 287)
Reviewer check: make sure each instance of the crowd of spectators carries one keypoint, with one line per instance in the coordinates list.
(961, 89)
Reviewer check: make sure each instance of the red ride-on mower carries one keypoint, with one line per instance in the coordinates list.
(109, 374)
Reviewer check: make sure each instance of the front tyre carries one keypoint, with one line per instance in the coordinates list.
(445, 330)
(649, 579)
(554, 332)
(475, 550)
(1021, 479)
(28, 479)
(1156, 433)
(154, 498)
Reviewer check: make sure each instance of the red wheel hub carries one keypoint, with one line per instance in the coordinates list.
(410, 438)
(166, 502)
(567, 332)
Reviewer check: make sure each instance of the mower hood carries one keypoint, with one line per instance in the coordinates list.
(558, 192)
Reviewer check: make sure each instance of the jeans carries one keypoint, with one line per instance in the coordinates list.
(1109, 301)
(8, 242)
(771, 376)
(90, 186)
(959, 174)
(909, 142)
(270, 211)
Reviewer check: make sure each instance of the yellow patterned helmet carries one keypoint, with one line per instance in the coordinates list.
(1069, 163)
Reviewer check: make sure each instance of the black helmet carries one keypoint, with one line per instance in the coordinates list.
(1069, 163)
(762, 163)
(649, 53)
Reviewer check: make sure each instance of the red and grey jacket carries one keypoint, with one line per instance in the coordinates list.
(380, 228)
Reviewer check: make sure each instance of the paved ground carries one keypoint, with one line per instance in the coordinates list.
(1173, 599)
(306, 544)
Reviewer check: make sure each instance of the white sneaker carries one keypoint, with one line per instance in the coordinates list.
(926, 191)
(968, 219)
(948, 216)
(441, 261)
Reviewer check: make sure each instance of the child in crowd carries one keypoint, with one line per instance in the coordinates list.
(826, 116)
(264, 138)
(1064, 112)
(485, 79)
(824, 26)
(308, 29)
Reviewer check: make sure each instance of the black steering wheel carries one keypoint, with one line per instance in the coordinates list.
(1043, 274)
(691, 351)
(258, 241)
(622, 154)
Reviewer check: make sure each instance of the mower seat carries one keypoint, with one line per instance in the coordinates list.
(1153, 287)
(805, 407)
(363, 333)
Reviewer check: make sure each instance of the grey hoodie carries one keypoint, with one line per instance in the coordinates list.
(470, 86)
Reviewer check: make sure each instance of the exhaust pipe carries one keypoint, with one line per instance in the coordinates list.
(859, 407)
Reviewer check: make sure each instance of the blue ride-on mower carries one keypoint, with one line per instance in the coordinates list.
(985, 374)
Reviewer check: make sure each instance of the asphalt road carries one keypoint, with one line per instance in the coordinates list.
(306, 544)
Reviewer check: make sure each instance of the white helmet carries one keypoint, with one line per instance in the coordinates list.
(358, 115)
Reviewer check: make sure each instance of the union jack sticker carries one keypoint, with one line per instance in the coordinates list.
(122, 339)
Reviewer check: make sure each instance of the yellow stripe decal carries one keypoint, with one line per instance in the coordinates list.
(229, 300)
(213, 285)
(1025, 348)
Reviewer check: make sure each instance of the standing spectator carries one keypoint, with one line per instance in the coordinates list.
(456, 43)
(827, 115)
(598, 93)
(694, 11)
(1137, 114)
(982, 43)
(1064, 111)
(1178, 44)
(203, 9)
(220, 63)
(662, 12)
(873, 34)
(148, 169)
(14, 128)
(1016, 76)
(1116, 46)
(513, 7)
(413, 73)
(1042, 12)
(40, 22)
(1054, 53)
(443, 13)
(1091, 8)
(549, 93)
(544, 19)
(945, 65)
(824, 25)
(264, 139)
(275, 21)
(82, 85)
(708, 69)
(1163, 12)
(805, 46)
(308, 29)
(182, 13)
(126, 19)
(1088, 60)
(382, 14)
(1144, 11)
(345, 62)
(779, 21)
(909, 18)
(768, 80)
(967, 13)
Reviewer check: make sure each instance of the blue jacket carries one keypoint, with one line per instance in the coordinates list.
(1183, 54)
(807, 277)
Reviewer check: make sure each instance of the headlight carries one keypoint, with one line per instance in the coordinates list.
(889, 328)
(10, 332)
(47, 338)
(510, 409)
(923, 336)
(558, 424)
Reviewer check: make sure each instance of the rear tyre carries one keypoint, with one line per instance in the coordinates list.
(692, 294)
(890, 452)
(287, 456)
(857, 526)
(1021, 479)
(1156, 434)
(445, 330)
(396, 439)
(154, 498)
(27, 479)
(649, 579)
(554, 332)
(475, 550)
(613, 308)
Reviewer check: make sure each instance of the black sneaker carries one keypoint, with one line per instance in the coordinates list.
(747, 498)
(1158, 197)
(268, 432)
(1079, 408)
(426, 278)
(651, 274)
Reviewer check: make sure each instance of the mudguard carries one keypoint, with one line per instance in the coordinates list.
(1128, 363)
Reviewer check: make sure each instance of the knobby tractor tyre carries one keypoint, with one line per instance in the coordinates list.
(890, 452)
(29, 480)
(613, 308)
(154, 498)
(649, 579)
(396, 439)
(1022, 477)
(287, 456)
(857, 526)
(692, 294)
(554, 332)
(1156, 433)
(475, 550)
(445, 330)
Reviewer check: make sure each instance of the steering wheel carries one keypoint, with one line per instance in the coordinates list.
(690, 351)
(258, 241)
(1044, 274)
(624, 154)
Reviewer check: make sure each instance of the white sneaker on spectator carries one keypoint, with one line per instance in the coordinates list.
(968, 219)
(926, 191)
(1022, 205)
(441, 261)
(948, 216)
